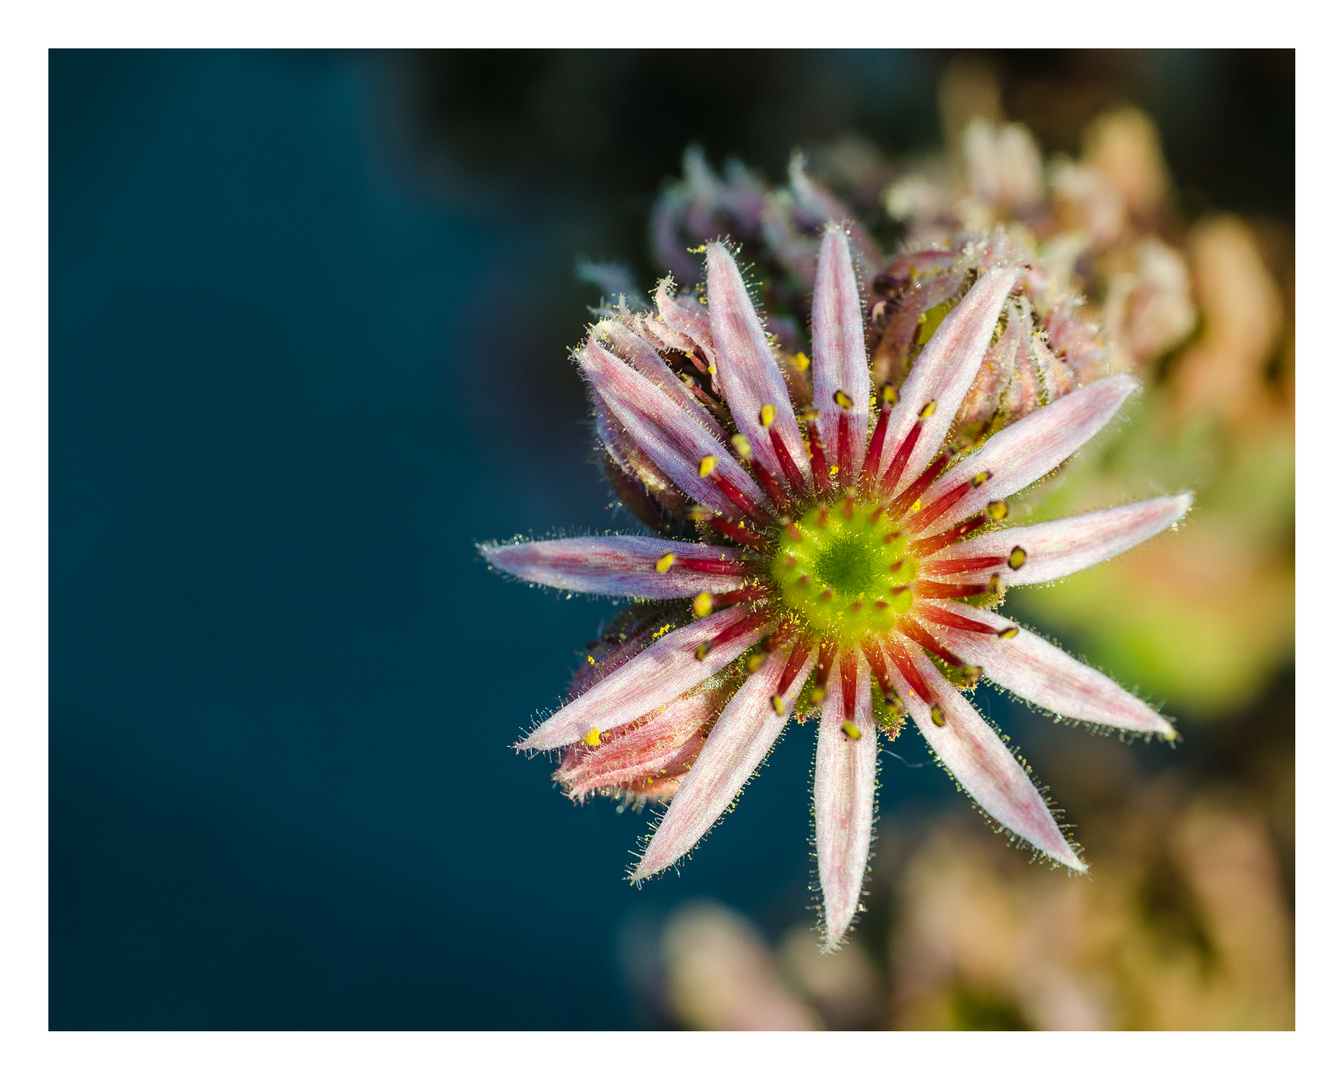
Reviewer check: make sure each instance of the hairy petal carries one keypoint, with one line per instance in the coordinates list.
(846, 780)
(615, 565)
(747, 373)
(644, 358)
(975, 755)
(1034, 669)
(674, 439)
(839, 360)
(945, 370)
(1058, 548)
(737, 744)
(665, 670)
(1023, 452)
(646, 758)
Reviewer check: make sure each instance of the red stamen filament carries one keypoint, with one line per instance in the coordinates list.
(734, 531)
(911, 494)
(951, 536)
(941, 506)
(903, 453)
(733, 631)
(909, 672)
(873, 459)
(926, 641)
(792, 473)
(767, 480)
(727, 567)
(880, 672)
(797, 658)
(739, 499)
(844, 451)
(821, 475)
(948, 567)
(940, 590)
(849, 683)
(953, 620)
(824, 662)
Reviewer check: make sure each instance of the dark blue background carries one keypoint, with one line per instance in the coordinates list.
(302, 358)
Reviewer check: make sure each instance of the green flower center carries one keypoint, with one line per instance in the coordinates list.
(843, 568)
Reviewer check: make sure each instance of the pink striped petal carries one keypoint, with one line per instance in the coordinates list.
(736, 746)
(674, 439)
(945, 370)
(1023, 452)
(840, 363)
(664, 671)
(648, 758)
(616, 565)
(685, 318)
(1046, 675)
(843, 790)
(747, 373)
(1058, 548)
(980, 762)
(644, 358)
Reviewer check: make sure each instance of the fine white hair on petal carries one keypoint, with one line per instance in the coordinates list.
(944, 371)
(665, 670)
(1055, 549)
(617, 565)
(644, 358)
(746, 370)
(737, 744)
(843, 790)
(839, 361)
(1045, 674)
(674, 439)
(1023, 452)
(979, 761)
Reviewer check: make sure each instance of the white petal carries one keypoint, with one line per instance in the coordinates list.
(975, 755)
(1058, 548)
(1037, 671)
(1023, 452)
(644, 358)
(737, 744)
(663, 671)
(843, 790)
(616, 565)
(944, 371)
(746, 370)
(839, 360)
(675, 439)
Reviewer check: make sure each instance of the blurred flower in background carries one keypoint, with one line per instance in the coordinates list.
(1187, 920)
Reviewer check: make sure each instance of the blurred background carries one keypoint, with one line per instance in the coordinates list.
(309, 323)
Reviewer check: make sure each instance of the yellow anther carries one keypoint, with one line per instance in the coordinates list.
(818, 695)
(800, 361)
(777, 703)
(995, 583)
(1008, 632)
(929, 409)
(708, 464)
(702, 605)
(1017, 558)
(979, 478)
(741, 445)
(889, 394)
(972, 673)
(835, 471)
(851, 732)
(702, 651)
(842, 399)
(768, 413)
(998, 509)
(593, 737)
(754, 662)
(936, 715)
(665, 561)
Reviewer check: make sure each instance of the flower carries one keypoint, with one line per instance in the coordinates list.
(840, 557)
